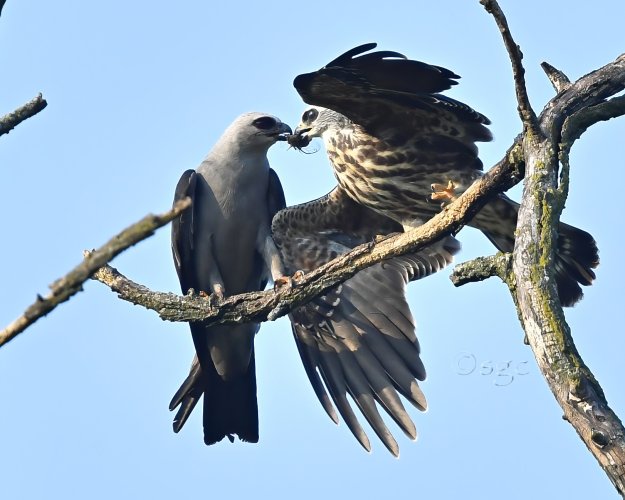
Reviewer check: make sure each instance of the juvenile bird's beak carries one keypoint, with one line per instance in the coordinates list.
(301, 129)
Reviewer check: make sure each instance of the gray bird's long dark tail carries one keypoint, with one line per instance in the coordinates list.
(230, 406)
(576, 254)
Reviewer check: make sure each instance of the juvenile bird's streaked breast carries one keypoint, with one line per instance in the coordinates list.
(393, 180)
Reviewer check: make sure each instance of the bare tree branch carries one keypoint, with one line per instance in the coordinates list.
(534, 291)
(557, 78)
(541, 151)
(269, 305)
(483, 268)
(590, 90)
(574, 126)
(63, 288)
(9, 121)
(528, 117)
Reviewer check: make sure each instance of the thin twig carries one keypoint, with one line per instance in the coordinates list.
(528, 117)
(9, 121)
(590, 90)
(63, 288)
(482, 268)
(557, 78)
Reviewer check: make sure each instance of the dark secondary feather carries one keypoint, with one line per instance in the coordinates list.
(376, 90)
(388, 69)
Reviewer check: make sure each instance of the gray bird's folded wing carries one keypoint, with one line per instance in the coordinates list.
(182, 230)
(191, 390)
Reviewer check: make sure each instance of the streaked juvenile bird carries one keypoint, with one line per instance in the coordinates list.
(392, 138)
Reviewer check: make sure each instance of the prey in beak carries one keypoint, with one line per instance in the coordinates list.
(299, 139)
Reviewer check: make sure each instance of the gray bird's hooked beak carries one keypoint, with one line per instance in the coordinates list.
(284, 132)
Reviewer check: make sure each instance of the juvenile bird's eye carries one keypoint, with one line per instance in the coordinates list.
(310, 116)
(264, 122)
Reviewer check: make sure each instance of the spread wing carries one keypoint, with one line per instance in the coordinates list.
(358, 339)
(395, 99)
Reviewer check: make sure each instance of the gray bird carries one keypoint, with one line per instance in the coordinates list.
(222, 245)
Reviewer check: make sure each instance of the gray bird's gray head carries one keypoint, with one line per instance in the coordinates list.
(316, 121)
(257, 131)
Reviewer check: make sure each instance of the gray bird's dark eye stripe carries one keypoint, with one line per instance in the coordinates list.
(264, 122)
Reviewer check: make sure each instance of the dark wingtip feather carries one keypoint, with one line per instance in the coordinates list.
(178, 397)
(310, 359)
(182, 415)
(385, 69)
(191, 385)
(416, 397)
(347, 56)
(366, 404)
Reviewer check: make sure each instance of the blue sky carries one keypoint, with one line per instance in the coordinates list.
(138, 92)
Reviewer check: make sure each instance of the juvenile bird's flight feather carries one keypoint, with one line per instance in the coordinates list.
(358, 339)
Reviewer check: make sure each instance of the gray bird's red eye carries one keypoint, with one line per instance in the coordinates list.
(310, 116)
(264, 123)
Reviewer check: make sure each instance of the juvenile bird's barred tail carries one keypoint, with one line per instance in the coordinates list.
(576, 257)
(576, 254)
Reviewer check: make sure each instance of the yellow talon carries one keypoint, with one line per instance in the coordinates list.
(444, 193)
(288, 281)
